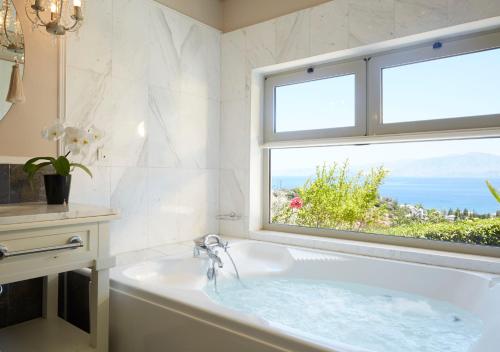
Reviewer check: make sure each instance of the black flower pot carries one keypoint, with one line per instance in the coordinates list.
(57, 188)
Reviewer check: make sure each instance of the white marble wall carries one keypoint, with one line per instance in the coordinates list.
(150, 77)
(332, 26)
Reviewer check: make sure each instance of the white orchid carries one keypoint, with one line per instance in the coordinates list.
(77, 140)
(54, 132)
(96, 134)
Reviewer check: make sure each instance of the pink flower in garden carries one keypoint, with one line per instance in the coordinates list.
(296, 203)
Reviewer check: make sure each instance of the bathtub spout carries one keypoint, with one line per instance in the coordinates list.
(208, 245)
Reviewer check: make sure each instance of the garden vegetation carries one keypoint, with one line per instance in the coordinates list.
(338, 199)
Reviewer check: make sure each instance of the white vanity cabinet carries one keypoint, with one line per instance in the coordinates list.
(39, 240)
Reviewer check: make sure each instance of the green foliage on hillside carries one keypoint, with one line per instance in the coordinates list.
(474, 231)
(338, 199)
(334, 199)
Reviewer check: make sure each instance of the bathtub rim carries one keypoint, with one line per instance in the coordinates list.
(437, 258)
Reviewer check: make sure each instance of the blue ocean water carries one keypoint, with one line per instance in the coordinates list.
(437, 193)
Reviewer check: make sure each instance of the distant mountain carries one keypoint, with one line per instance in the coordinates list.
(481, 165)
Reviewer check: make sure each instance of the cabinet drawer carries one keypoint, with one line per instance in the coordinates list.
(77, 240)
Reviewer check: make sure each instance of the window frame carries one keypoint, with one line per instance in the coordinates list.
(372, 131)
(356, 67)
(450, 48)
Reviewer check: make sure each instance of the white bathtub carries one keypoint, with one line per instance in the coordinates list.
(160, 305)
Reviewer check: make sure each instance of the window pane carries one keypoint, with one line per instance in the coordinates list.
(459, 86)
(325, 103)
(434, 190)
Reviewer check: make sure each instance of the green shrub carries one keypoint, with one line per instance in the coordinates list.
(335, 198)
(475, 231)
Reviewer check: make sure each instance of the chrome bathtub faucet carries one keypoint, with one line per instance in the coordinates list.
(208, 244)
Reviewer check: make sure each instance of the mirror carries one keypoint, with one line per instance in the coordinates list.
(11, 50)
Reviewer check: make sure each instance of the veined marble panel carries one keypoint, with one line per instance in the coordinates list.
(233, 69)
(130, 126)
(129, 196)
(293, 36)
(260, 45)
(131, 39)
(462, 11)
(163, 205)
(233, 191)
(93, 191)
(90, 47)
(329, 30)
(414, 16)
(198, 203)
(164, 139)
(88, 98)
(235, 134)
(184, 55)
(370, 21)
(198, 129)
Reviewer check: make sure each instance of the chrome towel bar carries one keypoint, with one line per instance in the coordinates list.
(73, 243)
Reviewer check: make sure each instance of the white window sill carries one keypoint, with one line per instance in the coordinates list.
(407, 254)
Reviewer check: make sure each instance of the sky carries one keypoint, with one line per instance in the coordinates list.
(452, 87)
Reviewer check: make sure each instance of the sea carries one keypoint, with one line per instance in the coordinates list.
(438, 193)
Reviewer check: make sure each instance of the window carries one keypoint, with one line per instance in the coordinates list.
(433, 190)
(446, 88)
(399, 147)
(327, 102)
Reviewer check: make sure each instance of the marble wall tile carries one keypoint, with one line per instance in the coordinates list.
(164, 66)
(234, 135)
(93, 191)
(260, 47)
(293, 36)
(198, 128)
(88, 98)
(184, 54)
(416, 16)
(129, 197)
(163, 205)
(234, 228)
(370, 21)
(462, 11)
(233, 191)
(329, 30)
(164, 140)
(131, 39)
(233, 68)
(212, 53)
(128, 135)
(96, 33)
(198, 203)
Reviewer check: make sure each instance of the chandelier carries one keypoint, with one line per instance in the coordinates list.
(11, 34)
(57, 16)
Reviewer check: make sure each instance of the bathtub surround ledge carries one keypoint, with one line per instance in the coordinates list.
(399, 253)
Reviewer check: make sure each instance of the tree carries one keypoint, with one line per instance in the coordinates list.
(334, 198)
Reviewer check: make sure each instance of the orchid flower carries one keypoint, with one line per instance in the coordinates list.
(54, 132)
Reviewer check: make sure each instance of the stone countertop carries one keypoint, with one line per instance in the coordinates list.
(22, 213)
